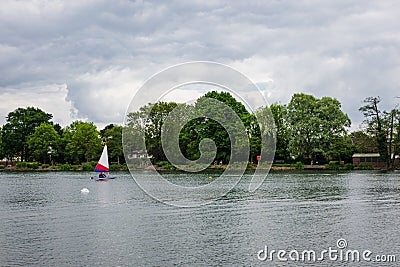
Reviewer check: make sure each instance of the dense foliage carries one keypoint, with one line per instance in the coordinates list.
(20, 124)
(43, 143)
(202, 128)
(29, 135)
(382, 128)
(1, 144)
(113, 135)
(82, 142)
(308, 129)
(318, 128)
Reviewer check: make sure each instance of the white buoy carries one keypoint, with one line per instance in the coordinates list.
(84, 190)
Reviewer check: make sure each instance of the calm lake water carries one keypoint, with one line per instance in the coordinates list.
(47, 221)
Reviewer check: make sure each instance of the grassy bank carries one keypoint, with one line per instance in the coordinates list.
(35, 166)
(166, 166)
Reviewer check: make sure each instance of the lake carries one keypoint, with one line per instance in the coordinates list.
(47, 221)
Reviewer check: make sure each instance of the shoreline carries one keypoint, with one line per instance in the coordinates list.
(251, 168)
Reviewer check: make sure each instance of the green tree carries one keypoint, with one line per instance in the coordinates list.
(43, 143)
(149, 120)
(375, 125)
(336, 143)
(265, 131)
(153, 126)
(109, 126)
(301, 117)
(20, 124)
(1, 144)
(113, 136)
(254, 134)
(134, 132)
(206, 127)
(82, 142)
(279, 112)
(391, 125)
(341, 148)
(173, 136)
(314, 125)
(58, 128)
(364, 142)
(395, 134)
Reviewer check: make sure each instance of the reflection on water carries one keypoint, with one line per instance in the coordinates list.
(301, 187)
(47, 221)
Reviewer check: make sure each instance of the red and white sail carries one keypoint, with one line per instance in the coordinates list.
(102, 165)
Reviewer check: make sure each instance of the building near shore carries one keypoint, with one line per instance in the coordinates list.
(6, 163)
(372, 159)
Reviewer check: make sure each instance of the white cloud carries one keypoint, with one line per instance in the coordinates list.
(105, 50)
(50, 98)
(103, 96)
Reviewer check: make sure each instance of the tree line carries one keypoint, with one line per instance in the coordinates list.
(307, 129)
(30, 135)
(382, 129)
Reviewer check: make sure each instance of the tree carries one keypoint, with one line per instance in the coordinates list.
(134, 133)
(301, 117)
(43, 143)
(113, 137)
(157, 114)
(109, 126)
(373, 119)
(341, 148)
(279, 112)
(82, 142)
(149, 121)
(264, 134)
(391, 125)
(1, 144)
(315, 124)
(20, 124)
(58, 128)
(396, 135)
(363, 142)
(208, 127)
(254, 134)
(335, 142)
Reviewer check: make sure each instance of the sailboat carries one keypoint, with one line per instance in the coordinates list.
(102, 167)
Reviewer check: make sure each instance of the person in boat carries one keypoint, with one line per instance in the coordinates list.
(102, 175)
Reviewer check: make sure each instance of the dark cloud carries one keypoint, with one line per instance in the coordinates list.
(104, 50)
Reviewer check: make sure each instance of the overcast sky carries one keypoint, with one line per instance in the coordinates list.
(85, 59)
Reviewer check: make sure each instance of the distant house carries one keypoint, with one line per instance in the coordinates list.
(5, 163)
(138, 154)
(138, 159)
(373, 159)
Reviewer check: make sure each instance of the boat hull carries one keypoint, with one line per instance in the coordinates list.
(97, 179)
